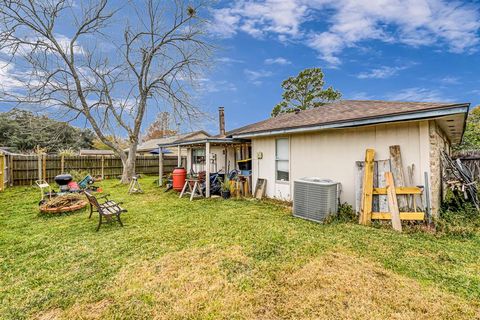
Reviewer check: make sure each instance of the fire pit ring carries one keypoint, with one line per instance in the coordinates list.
(74, 207)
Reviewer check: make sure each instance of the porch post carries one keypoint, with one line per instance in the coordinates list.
(179, 157)
(226, 160)
(207, 169)
(160, 166)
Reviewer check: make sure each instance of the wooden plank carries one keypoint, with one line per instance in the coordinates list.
(419, 216)
(375, 206)
(382, 167)
(410, 199)
(260, 188)
(392, 202)
(398, 190)
(398, 174)
(359, 172)
(367, 198)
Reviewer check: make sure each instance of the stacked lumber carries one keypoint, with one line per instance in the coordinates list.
(391, 190)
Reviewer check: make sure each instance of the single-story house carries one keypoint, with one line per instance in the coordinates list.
(151, 146)
(327, 141)
(96, 152)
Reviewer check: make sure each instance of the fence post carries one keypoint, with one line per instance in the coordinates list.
(11, 170)
(103, 167)
(2, 172)
(62, 163)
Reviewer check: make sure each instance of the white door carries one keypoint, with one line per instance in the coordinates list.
(282, 169)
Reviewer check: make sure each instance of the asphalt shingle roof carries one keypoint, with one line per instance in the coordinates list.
(341, 111)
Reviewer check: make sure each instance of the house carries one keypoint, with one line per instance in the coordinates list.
(151, 146)
(327, 142)
(96, 152)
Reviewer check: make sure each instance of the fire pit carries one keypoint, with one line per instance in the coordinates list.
(64, 203)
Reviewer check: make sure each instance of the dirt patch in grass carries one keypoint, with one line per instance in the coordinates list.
(222, 283)
(201, 283)
(343, 286)
(53, 314)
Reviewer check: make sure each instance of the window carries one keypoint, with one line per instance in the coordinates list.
(198, 156)
(281, 159)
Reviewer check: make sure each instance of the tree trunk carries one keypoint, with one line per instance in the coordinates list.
(129, 164)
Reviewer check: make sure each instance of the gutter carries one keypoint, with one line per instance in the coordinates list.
(362, 122)
(203, 141)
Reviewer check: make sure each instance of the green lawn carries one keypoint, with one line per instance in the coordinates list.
(210, 259)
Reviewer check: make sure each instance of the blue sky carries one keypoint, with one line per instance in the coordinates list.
(393, 50)
(417, 50)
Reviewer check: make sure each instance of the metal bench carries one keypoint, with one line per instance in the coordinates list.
(108, 209)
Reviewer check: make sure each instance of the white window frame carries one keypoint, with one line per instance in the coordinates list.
(286, 160)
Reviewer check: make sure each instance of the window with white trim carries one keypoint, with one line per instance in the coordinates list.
(281, 159)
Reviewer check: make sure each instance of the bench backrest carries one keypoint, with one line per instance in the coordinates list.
(93, 201)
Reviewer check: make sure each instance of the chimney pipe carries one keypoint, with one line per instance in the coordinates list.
(221, 120)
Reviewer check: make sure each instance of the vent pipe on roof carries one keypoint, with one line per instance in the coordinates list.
(221, 120)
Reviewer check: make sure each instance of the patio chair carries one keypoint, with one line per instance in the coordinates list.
(108, 209)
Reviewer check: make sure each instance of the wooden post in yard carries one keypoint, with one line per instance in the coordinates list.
(179, 157)
(367, 195)
(44, 166)
(160, 166)
(392, 202)
(62, 163)
(226, 161)
(207, 169)
(39, 165)
(2, 172)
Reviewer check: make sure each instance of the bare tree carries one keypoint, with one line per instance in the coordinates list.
(88, 60)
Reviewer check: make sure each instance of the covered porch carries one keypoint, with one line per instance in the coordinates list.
(215, 155)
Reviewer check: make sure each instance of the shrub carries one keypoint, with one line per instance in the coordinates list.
(457, 217)
(345, 214)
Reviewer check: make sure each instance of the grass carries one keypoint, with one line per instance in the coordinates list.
(211, 259)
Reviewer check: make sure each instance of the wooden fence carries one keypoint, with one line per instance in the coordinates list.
(26, 169)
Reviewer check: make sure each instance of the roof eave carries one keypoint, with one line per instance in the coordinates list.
(203, 141)
(420, 115)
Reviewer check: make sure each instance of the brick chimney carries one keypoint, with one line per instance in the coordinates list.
(221, 120)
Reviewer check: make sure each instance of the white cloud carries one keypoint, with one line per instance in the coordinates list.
(279, 60)
(447, 24)
(418, 94)
(211, 86)
(256, 76)
(414, 23)
(381, 73)
(10, 80)
(449, 80)
(229, 60)
(260, 17)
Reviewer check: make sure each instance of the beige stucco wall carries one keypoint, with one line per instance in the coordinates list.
(332, 154)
